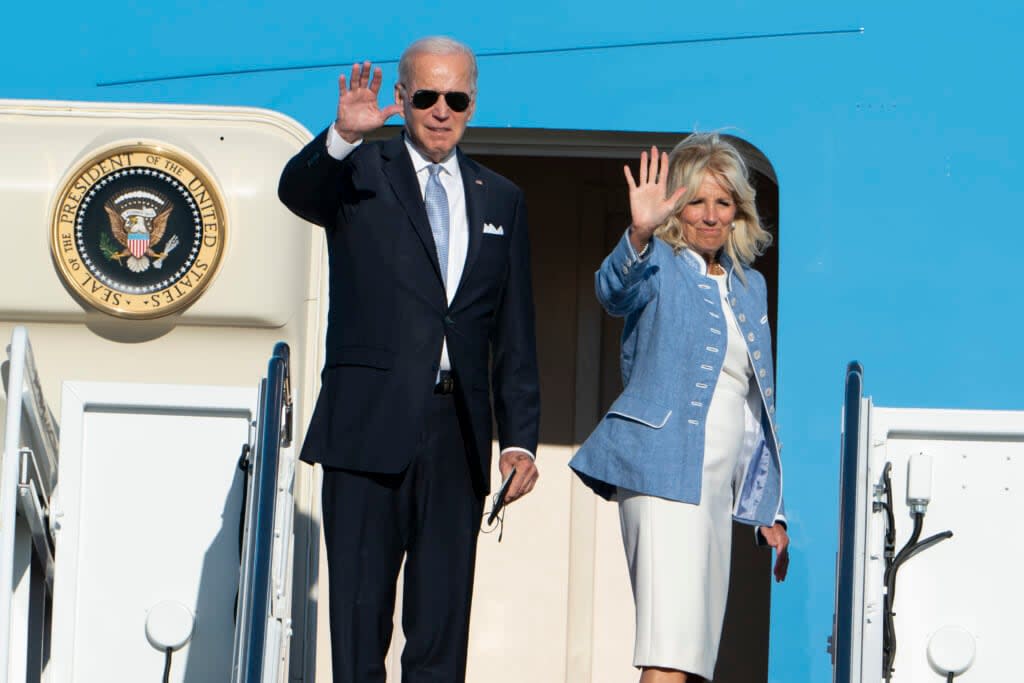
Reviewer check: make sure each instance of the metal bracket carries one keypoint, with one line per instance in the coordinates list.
(35, 509)
(287, 422)
(878, 493)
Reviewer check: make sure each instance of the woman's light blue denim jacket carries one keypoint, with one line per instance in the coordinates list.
(673, 346)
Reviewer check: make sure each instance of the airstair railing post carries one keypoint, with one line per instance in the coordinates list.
(842, 634)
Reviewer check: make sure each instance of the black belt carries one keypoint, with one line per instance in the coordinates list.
(445, 383)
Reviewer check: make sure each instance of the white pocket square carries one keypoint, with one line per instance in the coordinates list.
(489, 229)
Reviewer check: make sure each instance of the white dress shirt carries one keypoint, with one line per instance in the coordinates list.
(458, 224)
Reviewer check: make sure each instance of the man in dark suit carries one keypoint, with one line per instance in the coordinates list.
(431, 306)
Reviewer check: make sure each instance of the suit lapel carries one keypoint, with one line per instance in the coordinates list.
(399, 172)
(476, 201)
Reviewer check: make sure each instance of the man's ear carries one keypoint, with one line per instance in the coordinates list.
(398, 94)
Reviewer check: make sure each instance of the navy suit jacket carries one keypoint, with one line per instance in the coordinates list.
(389, 311)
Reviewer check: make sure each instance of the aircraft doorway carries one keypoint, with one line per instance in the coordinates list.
(578, 208)
(554, 595)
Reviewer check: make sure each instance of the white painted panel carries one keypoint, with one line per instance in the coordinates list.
(265, 272)
(271, 287)
(151, 497)
(971, 580)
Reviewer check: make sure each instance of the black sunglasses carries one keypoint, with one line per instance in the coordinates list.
(425, 99)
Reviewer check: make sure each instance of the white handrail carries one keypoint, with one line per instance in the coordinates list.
(9, 489)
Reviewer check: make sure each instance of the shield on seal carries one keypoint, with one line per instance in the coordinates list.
(138, 242)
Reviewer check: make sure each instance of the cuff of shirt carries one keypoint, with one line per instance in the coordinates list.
(337, 146)
(517, 448)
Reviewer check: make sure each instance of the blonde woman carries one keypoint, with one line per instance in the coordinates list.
(690, 443)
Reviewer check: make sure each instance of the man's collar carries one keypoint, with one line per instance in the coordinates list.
(420, 161)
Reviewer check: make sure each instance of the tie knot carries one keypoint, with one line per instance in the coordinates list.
(435, 169)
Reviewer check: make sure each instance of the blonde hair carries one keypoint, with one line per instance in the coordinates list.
(696, 156)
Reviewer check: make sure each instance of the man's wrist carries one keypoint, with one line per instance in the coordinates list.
(351, 137)
(337, 146)
(529, 453)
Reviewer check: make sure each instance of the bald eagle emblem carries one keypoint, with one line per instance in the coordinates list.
(138, 220)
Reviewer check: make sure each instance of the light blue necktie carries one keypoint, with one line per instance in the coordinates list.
(436, 200)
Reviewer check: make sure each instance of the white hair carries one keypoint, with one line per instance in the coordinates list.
(435, 45)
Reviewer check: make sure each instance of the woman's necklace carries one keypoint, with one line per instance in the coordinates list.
(716, 269)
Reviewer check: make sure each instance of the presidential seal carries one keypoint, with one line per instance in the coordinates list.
(138, 231)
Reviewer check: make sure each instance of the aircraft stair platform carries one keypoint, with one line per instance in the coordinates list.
(149, 537)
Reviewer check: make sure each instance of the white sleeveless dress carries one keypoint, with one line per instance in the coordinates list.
(679, 553)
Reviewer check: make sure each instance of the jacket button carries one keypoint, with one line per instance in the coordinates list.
(757, 355)
(750, 337)
(768, 391)
(742, 318)
(733, 301)
(762, 372)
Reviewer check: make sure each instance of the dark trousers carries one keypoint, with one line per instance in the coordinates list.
(430, 514)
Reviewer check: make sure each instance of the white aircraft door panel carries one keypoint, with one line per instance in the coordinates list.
(956, 596)
(972, 580)
(150, 497)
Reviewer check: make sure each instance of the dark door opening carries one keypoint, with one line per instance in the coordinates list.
(578, 208)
